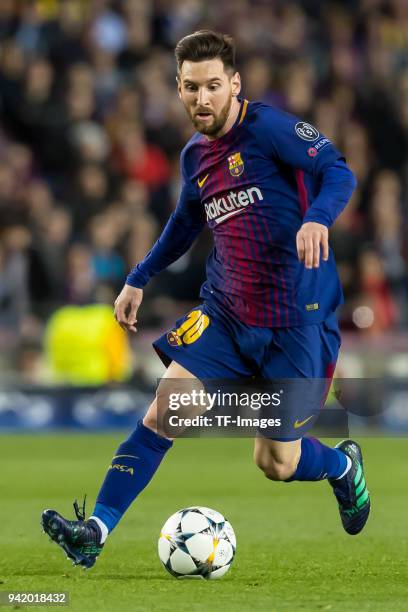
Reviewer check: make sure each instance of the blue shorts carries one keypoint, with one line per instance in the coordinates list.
(212, 344)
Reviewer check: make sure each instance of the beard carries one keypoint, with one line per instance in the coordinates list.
(216, 125)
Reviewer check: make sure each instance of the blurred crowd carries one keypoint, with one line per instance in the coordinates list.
(91, 129)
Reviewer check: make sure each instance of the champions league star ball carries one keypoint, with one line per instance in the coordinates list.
(197, 542)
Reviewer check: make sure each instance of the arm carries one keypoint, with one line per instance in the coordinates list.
(299, 145)
(338, 184)
(184, 225)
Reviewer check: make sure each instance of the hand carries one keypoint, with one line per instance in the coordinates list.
(308, 240)
(126, 306)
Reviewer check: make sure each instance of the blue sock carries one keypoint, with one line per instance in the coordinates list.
(132, 468)
(318, 461)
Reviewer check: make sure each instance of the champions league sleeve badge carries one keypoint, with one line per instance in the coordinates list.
(305, 131)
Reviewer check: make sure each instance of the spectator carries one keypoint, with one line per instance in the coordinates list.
(88, 197)
(138, 160)
(107, 264)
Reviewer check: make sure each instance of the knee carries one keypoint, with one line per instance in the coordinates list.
(277, 468)
(150, 421)
(151, 417)
(154, 421)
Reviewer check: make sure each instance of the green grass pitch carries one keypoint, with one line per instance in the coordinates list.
(292, 552)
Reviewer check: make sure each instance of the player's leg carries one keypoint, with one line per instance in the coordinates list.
(138, 457)
(278, 460)
(188, 351)
(175, 381)
(309, 459)
(131, 469)
(302, 459)
(310, 353)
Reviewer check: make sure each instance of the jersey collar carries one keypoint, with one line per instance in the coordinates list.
(238, 121)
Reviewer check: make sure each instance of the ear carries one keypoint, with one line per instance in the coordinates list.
(178, 85)
(236, 84)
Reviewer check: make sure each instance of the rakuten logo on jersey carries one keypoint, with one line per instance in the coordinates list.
(220, 209)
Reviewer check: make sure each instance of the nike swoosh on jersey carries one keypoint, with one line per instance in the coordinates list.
(298, 424)
(201, 183)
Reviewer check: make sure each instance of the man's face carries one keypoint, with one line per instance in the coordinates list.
(206, 90)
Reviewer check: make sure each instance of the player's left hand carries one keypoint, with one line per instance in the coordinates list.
(309, 239)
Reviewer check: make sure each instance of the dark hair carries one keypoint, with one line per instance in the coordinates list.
(205, 45)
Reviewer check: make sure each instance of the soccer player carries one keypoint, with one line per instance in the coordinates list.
(269, 186)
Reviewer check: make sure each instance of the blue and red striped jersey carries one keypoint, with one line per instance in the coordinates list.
(254, 187)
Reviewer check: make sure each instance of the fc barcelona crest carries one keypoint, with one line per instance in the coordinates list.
(235, 164)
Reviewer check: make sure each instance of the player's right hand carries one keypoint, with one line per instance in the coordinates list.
(126, 306)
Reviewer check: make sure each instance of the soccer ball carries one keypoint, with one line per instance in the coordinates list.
(197, 542)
